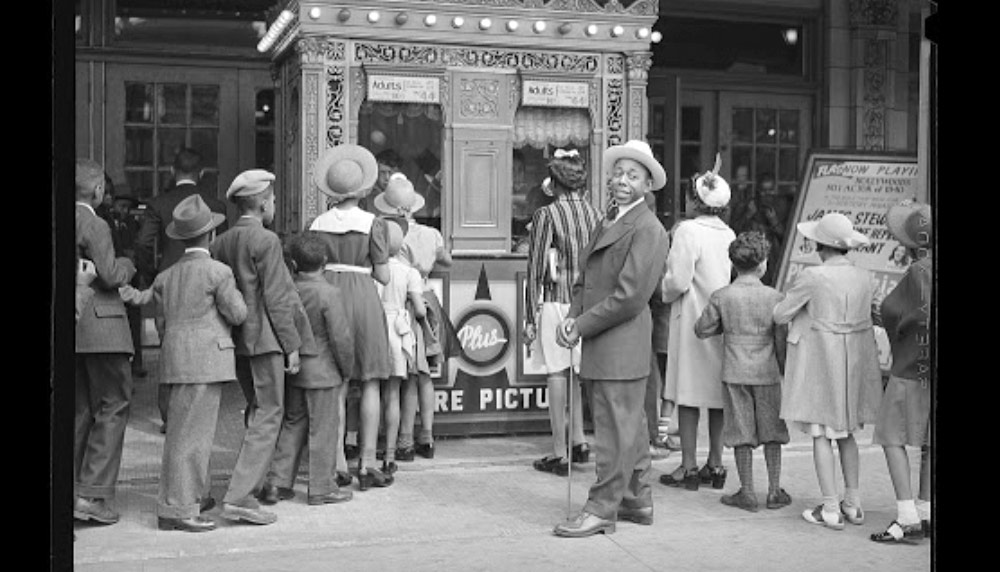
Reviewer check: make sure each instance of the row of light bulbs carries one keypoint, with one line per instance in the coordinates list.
(538, 26)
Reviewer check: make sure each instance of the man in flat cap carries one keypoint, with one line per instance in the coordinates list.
(267, 343)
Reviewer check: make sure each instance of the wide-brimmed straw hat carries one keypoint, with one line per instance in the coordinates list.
(909, 222)
(637, 151)
(192, 218)
(399, 197)
(834, 229)
(345, 171)
(711, 188)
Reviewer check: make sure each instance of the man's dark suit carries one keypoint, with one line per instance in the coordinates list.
(620, 269)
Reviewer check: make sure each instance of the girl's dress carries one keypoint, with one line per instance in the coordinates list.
(833, 384)
(402, 337)
(356, 241)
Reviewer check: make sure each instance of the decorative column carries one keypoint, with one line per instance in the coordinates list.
(637, 66)
(311, 58)
(873, 38)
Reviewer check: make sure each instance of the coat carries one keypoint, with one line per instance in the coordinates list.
(832, 375)
(158, 214)
(743, 313)
(619, 270)
(103, 325)
(255, 255)
(200, 303)
(329, 350)
(697, 266)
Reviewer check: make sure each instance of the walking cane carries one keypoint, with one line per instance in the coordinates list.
(569, 441)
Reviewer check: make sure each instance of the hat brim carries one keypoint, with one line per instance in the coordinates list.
(613, 154)
(385, 208)
(215, 221)
(350, 152)
(895, 222)
(810, 229)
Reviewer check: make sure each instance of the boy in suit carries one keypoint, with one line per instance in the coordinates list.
(619, 271)
(311, 410)
(754, 355)
(103, 348)
(199, 301)
(267, 344)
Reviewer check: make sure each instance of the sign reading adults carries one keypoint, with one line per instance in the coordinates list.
(862, 186)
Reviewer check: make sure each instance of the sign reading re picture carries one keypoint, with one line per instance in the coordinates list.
(862, 186)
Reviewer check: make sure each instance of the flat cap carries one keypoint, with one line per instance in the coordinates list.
(250, 183)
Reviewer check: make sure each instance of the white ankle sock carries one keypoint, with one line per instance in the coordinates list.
(831, 504)
(852, 498)
(906, 512)
(923, 509)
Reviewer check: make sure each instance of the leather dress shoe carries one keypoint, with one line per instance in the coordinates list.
(271, 494)
(580, 453)
(425, 450)
(351, 452)
(238, 513)
(682, 478)
(741, 499)
(405, 454)
(331, 497)
(206, 504)
(551, 465)
(585, 524)
(94, 509)
(389, 467)
(342, 478)
(193, 524)
(368, 477)
(638, 515)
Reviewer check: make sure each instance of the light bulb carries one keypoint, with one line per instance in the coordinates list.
(617, 31)
(314, 13)
(374, 16)
(592, 30)
(457, 22)
(538, 27)
(512, 25)
(485, 24)
(430, 20)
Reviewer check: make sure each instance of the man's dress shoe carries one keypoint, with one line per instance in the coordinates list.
(640, 515)
(206, 504)
(252, 515)
(271, 494)
(331, 497)
(94, 509)
(193, 524)
(585, 524)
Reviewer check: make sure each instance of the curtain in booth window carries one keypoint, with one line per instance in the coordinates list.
(431, 111)
(541, 126)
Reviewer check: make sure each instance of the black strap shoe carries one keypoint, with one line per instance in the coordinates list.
(193, 524)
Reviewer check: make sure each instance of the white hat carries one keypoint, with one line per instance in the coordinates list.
(712, 189)
(250, 183)
(909, 222)
(637, 151)
(345, 171)
(399, 198)
(834, 229)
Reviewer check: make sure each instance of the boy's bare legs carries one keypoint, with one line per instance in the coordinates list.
(390, 403)
(425, 389)
(371, 405)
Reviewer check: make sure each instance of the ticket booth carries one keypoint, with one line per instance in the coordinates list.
(473, 97)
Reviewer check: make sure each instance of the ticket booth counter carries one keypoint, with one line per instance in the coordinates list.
(473, 97)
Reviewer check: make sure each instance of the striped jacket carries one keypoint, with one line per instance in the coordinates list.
(565, 225)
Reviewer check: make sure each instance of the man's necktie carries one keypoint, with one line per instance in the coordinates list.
(612, 213)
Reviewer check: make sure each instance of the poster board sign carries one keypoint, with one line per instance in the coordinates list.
(862, 186)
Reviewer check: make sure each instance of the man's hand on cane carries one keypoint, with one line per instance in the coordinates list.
(568, 335)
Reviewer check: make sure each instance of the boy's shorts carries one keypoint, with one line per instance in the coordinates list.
(751, 415)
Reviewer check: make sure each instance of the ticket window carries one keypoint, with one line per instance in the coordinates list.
(538, 133)
(413, 131)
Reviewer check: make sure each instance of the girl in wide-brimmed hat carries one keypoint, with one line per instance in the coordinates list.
(357, 251)
(832, 385)
(904, 417)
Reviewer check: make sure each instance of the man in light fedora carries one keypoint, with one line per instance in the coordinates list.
(620, 268)
(199, 302)
(833, 384)
(267, 344)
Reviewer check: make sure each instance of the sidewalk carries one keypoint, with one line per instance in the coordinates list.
(479, 505)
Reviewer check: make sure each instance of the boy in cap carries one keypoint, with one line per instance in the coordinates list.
(199, 302)
(267, 344)
(312, 412)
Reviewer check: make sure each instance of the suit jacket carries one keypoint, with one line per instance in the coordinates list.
(619, 270)
(329, 348)
(159, 214)
(255, 256)
(200, 302)
(103, 325)
(753, 343)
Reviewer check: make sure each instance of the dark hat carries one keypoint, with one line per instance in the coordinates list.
(568, 168)
(192, 218)
(250, 183)
(428, 162)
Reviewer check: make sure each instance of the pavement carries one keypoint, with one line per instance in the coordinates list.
(479, 505)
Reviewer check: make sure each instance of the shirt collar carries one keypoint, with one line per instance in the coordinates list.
(89, 207)
(180, 182)
(622, 209)
(196, 249)
(747, 279)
